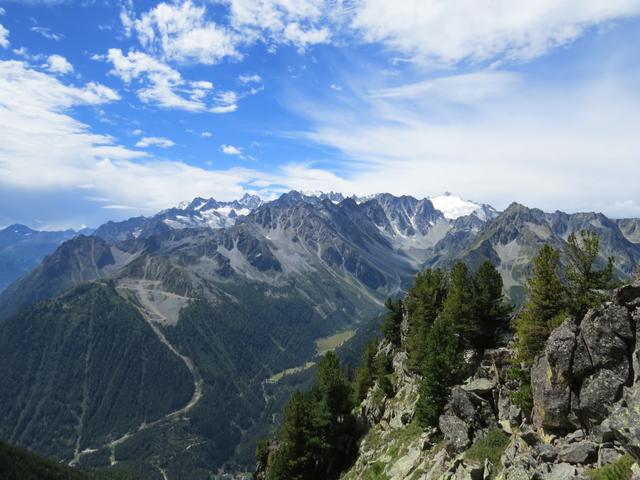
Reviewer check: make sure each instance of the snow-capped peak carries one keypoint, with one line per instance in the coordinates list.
(453, 206)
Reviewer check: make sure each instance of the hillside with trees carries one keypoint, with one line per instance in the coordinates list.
(454, 370)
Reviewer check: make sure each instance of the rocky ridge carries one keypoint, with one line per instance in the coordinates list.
(585, 413)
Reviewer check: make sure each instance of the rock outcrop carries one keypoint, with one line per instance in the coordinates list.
(586, 409)
(586, 364)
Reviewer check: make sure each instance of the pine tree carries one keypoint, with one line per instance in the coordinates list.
(295, 457)
(443, 368)
(457, 307)
(424, 303)
(585, 284)
(334, 425)
(393, 321)
(365, 374)
(546, 304)
(490, 312)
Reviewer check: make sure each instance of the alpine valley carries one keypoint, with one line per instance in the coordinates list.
(169, 344)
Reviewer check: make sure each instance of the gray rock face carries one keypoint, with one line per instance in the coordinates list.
(455, 431)
(607, 455)
(625, 421)
(579, 452)
(551, 379)
(627, 295)
(586, 364)
(597, 389)
(561, 471)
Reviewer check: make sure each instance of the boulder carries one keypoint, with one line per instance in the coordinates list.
(561, 471)
(551, 379)
(597, 394)
(546, 453)
(602, 342)
(455, 431)
(480, 386)
(607, 455)
(576, 436)
(635, 315)
(603, 432)
(627, 295)
(438, 466)
(578, 453)
(461, 404)
(625, 421)
(402, 467)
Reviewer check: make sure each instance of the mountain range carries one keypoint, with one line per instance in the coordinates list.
(167, 343)
(22, 249)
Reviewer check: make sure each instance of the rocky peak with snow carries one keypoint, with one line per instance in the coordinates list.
(453, 207)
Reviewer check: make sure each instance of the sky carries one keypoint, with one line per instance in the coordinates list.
(112, 109)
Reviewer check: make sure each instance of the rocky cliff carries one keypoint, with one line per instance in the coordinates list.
(585, 419)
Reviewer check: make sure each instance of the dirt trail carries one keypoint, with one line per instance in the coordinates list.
(152, 316)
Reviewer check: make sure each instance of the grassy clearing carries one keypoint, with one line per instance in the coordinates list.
(490, 447)
(376, 472)
(327, 344)
(620, 470)
(289, 371)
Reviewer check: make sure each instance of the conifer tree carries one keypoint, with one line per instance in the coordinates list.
(490, 312)
(295, 457)
(318, 435)
(443, 368)
(457, 307)
(365, 374)
(424, 303)
(586, 285)
(546, 305)
(393, 321)
(334, 427)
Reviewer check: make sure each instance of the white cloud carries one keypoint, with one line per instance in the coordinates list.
(47, 33)
(4, 37)
(335, 87)
(59, 64)
(550, 147)
(44, 149)
(302, 38)
(450, 31)
(295, 22)
(137, 132)
(40, 144)
(433, 31)
(206, 134)
(164, 86)
(2, 11)
(230, 150)
(161, 142)
(181, 32)
(255, 78)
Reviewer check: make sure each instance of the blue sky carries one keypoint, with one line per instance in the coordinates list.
(110, 109)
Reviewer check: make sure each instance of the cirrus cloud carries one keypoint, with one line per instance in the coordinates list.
(161, 142)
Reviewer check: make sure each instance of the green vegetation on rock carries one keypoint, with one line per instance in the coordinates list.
(619, 470)
(490, 447)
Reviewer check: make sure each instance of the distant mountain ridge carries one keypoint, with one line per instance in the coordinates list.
(241, 304)
(23, 248)
(202, 213)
